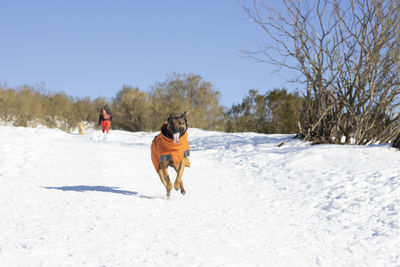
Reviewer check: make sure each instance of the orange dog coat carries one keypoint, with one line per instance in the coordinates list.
(163, 149)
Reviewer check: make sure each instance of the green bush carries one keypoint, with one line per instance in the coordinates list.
(275, 112)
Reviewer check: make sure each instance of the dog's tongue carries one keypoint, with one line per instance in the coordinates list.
(176, 138)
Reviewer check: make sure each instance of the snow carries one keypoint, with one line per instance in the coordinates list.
(95, 200)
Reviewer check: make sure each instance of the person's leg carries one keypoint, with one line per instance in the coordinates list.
(108, 126)
(103, 126)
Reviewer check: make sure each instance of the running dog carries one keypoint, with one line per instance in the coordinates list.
(170, 148)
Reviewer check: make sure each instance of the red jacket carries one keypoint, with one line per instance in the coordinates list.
(163, 148)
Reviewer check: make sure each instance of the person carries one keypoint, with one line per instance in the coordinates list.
(105, 118)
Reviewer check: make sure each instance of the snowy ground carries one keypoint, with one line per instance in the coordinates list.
(68, 200)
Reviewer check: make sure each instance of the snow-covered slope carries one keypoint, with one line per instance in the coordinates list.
(68, 200)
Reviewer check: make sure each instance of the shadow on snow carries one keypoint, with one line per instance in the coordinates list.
(99, 188)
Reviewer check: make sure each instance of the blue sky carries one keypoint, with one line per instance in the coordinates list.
(93, 48)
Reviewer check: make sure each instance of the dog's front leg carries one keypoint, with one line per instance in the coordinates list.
(178, 181)
(164, 177)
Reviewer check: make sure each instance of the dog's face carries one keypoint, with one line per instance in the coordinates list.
(177, 125)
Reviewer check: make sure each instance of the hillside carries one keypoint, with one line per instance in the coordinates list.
(68, 200)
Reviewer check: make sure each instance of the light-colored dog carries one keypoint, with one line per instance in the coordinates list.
(81, 129)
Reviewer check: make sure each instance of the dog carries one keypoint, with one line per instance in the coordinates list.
(81, 129)
(170, 148)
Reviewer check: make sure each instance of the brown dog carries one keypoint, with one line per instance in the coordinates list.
(171, 148)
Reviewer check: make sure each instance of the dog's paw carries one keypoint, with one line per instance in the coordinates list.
(177, 186)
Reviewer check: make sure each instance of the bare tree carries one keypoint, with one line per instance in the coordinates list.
(346, 55)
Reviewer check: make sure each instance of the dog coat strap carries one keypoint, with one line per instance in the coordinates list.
(165, 158)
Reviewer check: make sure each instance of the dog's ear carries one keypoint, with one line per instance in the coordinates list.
(185, 118)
